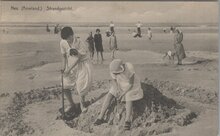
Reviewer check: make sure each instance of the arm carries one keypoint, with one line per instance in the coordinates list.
(64, 62)
(116, 42)
(95, 38)
(101, 38)
(131, 81)
(110, 42)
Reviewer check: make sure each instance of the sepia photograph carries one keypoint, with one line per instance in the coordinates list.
(109, 68)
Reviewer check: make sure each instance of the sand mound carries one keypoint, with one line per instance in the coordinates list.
(154, 114)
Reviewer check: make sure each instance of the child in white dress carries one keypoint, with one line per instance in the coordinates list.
(126, 87)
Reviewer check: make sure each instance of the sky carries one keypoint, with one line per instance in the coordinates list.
(148, 12)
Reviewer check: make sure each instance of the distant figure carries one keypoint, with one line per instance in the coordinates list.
(98, 44)
(178, 46)
(5, 30)
(149, 33)
(90, 41)
(172, 29)
(139, 28)
(47, 28)
(56, 29)
(164, 30)
(113, 45)
(112, 25)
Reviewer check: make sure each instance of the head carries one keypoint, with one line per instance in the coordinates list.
(111, 22)
(177, 30)
(67, 34)
(116, 66)
(149, 28)
(139, 22)
(73, 52)
(98, 31)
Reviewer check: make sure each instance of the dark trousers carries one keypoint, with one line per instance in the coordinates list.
(139, 32)
(112, 29)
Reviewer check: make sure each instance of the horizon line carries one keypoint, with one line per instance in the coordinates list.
(122, 0)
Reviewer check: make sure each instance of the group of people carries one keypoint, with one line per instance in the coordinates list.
(77, 72)
(57, 28)
(77, 75)
(95, 44)
(138, 32)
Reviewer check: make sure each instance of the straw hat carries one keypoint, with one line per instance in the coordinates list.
(116, 66)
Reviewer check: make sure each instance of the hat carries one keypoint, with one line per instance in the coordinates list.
(116, 66)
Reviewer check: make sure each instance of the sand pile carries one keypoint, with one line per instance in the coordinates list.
(154, 114)
(196, 94)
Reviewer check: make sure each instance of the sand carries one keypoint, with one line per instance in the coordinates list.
(185, 97)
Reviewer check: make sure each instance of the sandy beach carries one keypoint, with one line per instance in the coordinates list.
(187, 95)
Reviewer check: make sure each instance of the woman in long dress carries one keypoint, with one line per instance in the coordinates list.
(178, 46)
(98, 44)
(90, 41)
(76, 67)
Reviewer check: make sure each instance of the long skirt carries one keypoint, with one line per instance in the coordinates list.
(180, 52)
(80, 79)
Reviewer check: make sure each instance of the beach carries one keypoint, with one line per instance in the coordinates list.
(30, 93)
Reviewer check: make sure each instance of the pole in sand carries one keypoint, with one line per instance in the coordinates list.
(63, 113)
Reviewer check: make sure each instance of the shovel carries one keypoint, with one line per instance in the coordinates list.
(62, 87)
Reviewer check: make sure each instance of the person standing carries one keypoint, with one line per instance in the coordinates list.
(90, 41)
(76, 68)
(178, 46)
(47, 28)
(113, 46)
(98, 44)
(139, 29)
(149, 33)
(112, 25)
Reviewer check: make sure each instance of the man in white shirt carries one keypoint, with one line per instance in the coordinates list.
(139, 28)
(112, 27)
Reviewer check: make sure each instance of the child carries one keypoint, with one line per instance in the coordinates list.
(149, 33)
(126, 87)
(139, 29)
(111, 26)
(76, 67)
(90, 41)
(98, 44)
(113, 45)
(170, 55)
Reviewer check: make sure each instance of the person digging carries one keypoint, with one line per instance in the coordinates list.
(126, 87)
